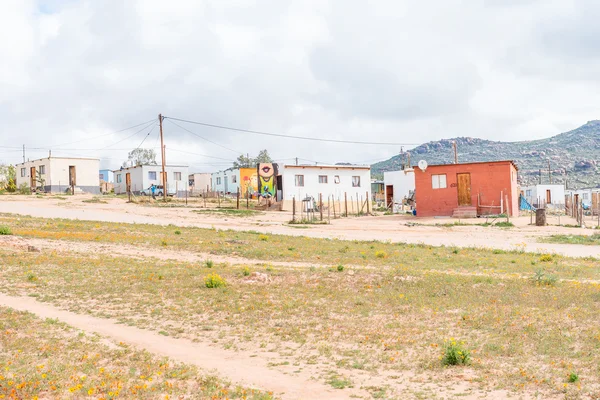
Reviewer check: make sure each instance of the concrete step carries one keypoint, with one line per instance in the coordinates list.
(465, 212)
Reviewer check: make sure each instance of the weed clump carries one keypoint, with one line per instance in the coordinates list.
(163, 243)
(455, 353)
(546, 258)
(380, 254)
(5, 230)
(340, 268)
(573, 377)
(246, 271)
(541, 278)
(178, 232)
(263, 238)
(214, 281)
(209, 263)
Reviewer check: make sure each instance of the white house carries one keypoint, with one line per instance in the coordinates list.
(57, 174)
(227, 181)
(143, 176)
(582, 195)
(550, 195)
(334, 182)
(200, 182)
(397, 186)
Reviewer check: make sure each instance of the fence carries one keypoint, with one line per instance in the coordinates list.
(326, 208)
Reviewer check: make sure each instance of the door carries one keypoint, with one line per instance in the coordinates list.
(72, 176)
(389, 196)
(548, 197)
(464, 189)
(32, 178)
(279, 188)
(128, 182)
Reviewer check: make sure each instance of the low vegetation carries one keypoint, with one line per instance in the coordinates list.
(573, 239)
(230, 212)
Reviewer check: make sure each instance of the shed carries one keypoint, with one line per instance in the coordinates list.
(141, 177)
(398, 186)
(60, 174)
(467, 190)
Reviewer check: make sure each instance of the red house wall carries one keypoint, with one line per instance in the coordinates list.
(488, 180)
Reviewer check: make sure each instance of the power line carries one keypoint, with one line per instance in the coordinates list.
(202, 155)
(128, 137)
(203, 138)
(290, 136)
(146, 137)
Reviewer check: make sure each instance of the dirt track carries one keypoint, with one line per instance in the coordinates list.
(392, 228)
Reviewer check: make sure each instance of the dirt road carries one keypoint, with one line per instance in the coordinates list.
(392, 228)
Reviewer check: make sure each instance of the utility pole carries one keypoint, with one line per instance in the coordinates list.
(296, 160)
(455, 152)
(540, 176)
(23, 153)
(162, 153)
(549, 173)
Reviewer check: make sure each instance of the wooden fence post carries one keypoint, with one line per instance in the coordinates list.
(346, 201)
(328, 209)
(238, 199)
(368, 202)
(357, 210)
(321, 206)
(294, 208)
(219, 198)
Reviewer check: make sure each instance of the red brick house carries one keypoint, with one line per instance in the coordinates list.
(467, 190)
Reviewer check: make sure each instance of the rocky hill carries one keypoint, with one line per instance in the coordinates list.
(574, 156)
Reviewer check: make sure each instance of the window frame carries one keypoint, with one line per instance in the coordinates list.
(42, 169)
(297, 179)
(150, 177)
(175, 176)
(323, 179)
(119, 178)
(23, 172)
(336, 179)
(356, 181)
(436, 178)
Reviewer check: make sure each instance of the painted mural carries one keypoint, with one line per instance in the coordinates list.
(248, 182)
(267, 180)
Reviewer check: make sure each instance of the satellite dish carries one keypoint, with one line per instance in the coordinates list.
(422, 165)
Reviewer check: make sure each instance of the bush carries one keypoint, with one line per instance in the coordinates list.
(24, 189)
(264, 238)
(209, 263)
(541, 278)
(573, 377)
(246, 271)
(455, 353)
(380, 254)
(178, 232)
(340, 268)
(5, 230)
(214, 281)
(546, 258)
(163, 242)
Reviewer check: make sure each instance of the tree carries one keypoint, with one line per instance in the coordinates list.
(8, 178)
(140, 157)
(245, 161)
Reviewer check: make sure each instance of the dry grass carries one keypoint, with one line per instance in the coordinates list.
(48, 359)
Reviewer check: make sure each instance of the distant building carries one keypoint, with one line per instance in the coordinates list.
(398, 186)
(59, 174)
(233, 179)
(541, 195)
(143, 176)
(467, 190)
(106, 175)
(199, 183)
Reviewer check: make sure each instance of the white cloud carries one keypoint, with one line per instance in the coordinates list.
(393, 71)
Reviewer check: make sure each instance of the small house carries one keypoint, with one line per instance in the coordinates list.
(199, 183)
(399, 185)
(141, 177)
(467, 190)
(226, 181)
(545, 195)
(60, 175)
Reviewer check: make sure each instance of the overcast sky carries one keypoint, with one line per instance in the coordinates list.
(73, 71)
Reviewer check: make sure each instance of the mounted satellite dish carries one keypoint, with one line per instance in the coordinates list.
(422, 165)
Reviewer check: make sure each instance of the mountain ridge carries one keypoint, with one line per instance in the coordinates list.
(574, 156)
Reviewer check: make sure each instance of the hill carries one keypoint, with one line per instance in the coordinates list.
(574, 156)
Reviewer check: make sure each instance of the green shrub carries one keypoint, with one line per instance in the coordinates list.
(541, 278)
(5, 230)
(546, 258)
(246, 271)
(163, 243)
(178, 232)
(209, 263)
(214, 281)
(573, 377)
(263, 238)
(455, 353)
(340, 268)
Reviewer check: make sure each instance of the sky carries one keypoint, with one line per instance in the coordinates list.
(74, 74)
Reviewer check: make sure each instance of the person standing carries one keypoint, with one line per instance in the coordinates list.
(153, 189)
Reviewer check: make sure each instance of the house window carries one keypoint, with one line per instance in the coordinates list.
(177, 176)
(322, 178)
(152, 175)
(528, 193)
(101, 177)
(299, 180)
(233, 179)
(218, 180)
(356, 181)
(119, 180)
(42, 170)
(584, 196)
(438, 181)
(336, 179)
(23, 172)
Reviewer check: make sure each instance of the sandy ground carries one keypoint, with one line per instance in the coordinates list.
(394, 228)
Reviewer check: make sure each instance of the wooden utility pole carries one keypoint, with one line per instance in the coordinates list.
(455, 152)
(162, 156)
(23, 154)
(549, 173)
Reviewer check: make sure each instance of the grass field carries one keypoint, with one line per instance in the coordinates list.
(48, 359)
(575, 239)
(363, 309)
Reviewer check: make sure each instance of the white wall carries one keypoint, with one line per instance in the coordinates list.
(230, 181)
(313, 188)
(140, 178)
(402, 181)
(201, 182)
(57, 173)
(538, 192)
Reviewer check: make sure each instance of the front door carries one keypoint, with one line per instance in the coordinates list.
(464, 189)
(389, 196)
(72, 176)
(128, 181)
(548, 197)
(33, 178)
